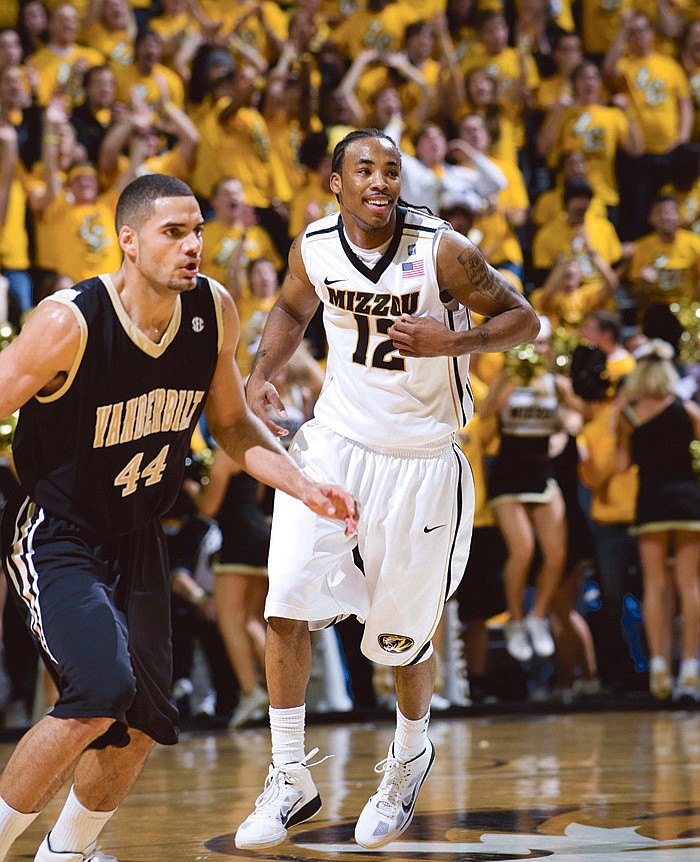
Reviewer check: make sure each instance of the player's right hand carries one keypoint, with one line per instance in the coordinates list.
(332, 501)
(265, 402)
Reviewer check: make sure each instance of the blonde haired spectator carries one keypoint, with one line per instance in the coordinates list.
(648, 415)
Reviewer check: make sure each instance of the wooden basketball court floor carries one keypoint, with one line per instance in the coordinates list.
(585, 787)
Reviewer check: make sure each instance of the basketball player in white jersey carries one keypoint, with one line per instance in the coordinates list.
(397, 286)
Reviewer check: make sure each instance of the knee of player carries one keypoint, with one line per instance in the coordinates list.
(114, 689)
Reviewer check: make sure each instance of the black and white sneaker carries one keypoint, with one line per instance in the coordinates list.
(289, 798)
(389, 811)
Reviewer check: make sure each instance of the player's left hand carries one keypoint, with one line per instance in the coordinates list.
(332, 501)
(420, 336)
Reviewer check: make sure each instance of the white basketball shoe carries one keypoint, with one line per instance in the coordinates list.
(289, 798)
(389, 811)
(94, 854)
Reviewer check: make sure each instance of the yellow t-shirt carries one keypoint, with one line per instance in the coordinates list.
(130, 81)
(567, 310)
(174, 28)
(219, 243)
(655, 84)
(550, 89)
(500, 243)
(168, 162)
(115, 45)
(600, 22)
(314, 191)
(471, 441)
(14, 242)
(9, 13)
(614, 494)
(556, 238)
(241, 150)
(55, 69)
(364, 29)
(550, 205)
(677, 265)
(83, 236)
(251, 30)
(505, 69)
(597, 131)
(288, 174)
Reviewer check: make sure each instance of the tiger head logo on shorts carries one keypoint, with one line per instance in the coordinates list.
(395, 643)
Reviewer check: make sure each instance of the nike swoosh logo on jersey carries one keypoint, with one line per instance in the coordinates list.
(327, 280)
(430, 529)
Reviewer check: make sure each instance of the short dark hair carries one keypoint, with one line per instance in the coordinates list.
(608, 321)
(357, 135)
(577, 187)
(93, 71)
(135, 203)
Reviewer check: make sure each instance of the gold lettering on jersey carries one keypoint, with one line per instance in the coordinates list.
(129, 419)
(187, 416)
(169, 410)
(374, 304)
(115, 421)
(140, 421)
(177, 416)
(154, 412)
(101, 420)
(158, 404)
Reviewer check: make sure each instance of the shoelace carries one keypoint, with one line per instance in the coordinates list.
(279, 778)
(393, 785)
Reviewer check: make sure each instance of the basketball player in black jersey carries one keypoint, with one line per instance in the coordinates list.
(111, 378)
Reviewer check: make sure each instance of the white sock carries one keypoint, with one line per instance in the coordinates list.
(287, 727)
(12, 825)
(688, 668)
(411, 737)
(77, 828)
(658, 664)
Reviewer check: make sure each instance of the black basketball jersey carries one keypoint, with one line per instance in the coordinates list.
(107, 449)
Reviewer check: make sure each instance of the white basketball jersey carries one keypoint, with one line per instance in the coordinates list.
(372, 394)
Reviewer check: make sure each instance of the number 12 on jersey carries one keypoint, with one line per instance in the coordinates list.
(381, 355)
(132, 474)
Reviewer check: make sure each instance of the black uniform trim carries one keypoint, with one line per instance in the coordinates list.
(460, 508)
(421, 227)
(419, 655)
(458, 382)
(323, 230)
(376, 272)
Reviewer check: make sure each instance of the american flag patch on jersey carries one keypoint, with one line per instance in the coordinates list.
(412, 269)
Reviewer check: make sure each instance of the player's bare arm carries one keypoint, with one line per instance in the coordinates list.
(40, 359)
(283, 333)
(248, 442)
(464, 276)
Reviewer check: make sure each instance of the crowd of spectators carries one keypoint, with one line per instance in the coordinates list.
(561, 136)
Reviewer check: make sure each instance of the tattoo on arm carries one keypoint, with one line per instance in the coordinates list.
(484, 335)
(484, 279)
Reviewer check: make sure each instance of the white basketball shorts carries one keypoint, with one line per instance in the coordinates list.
(416, 513)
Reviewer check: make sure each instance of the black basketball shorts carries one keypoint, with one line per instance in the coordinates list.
(99, 612)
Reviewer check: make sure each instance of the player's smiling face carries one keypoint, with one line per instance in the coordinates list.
(368, 188)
